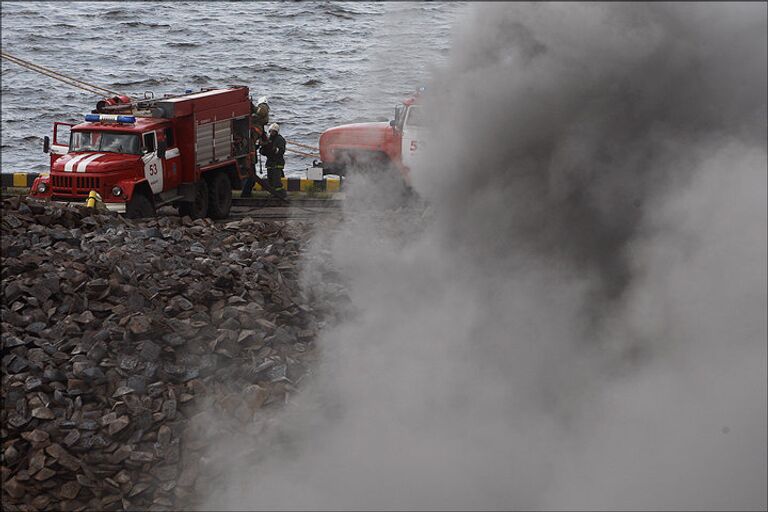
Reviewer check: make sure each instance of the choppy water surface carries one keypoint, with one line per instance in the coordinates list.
(320, 64)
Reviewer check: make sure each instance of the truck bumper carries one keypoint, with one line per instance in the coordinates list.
(115, 207)
(112, 207)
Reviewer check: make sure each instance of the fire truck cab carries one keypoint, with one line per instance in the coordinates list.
(188, 151)
(395, 143)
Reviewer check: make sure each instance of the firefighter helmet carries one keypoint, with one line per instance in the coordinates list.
(274, 127)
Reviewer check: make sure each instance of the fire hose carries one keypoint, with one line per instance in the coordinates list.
(308, 155)
(302, 153)
(313, 148)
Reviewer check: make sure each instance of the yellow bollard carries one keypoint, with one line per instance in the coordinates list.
(93, 196)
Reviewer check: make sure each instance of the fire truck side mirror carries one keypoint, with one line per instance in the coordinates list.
(46, 144)
(161, 147)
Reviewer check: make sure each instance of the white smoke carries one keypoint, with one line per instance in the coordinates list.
(580, 322)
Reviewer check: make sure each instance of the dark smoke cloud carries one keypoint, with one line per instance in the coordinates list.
(581, 113)
(580, 322)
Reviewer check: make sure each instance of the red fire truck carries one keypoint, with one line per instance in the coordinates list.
(377, 144)
(188, 151)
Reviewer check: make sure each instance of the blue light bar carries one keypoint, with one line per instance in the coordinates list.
(95, 118)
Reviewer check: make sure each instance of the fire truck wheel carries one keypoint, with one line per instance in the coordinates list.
(219, 196)
(198, 208)
(140, 206)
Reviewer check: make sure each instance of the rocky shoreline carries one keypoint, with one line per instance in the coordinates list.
(117, 334)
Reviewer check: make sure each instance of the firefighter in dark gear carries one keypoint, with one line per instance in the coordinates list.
(274, 150)
(259, 119)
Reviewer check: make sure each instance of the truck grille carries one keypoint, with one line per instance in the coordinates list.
(75, 185)
(84, 184)
(61, 184)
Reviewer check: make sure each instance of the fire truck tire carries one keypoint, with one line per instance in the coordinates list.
(198, 208)
(219, 196)
(139, 207)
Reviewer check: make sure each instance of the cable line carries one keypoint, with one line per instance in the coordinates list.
(92, 88)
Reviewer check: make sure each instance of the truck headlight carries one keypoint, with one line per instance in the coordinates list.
(117, 191)
(42, 187)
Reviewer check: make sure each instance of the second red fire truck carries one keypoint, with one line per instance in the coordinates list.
(377, 145)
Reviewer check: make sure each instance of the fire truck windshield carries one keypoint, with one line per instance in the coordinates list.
(107, 142)
(415, 116)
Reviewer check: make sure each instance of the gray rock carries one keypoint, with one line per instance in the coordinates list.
(149, 351)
